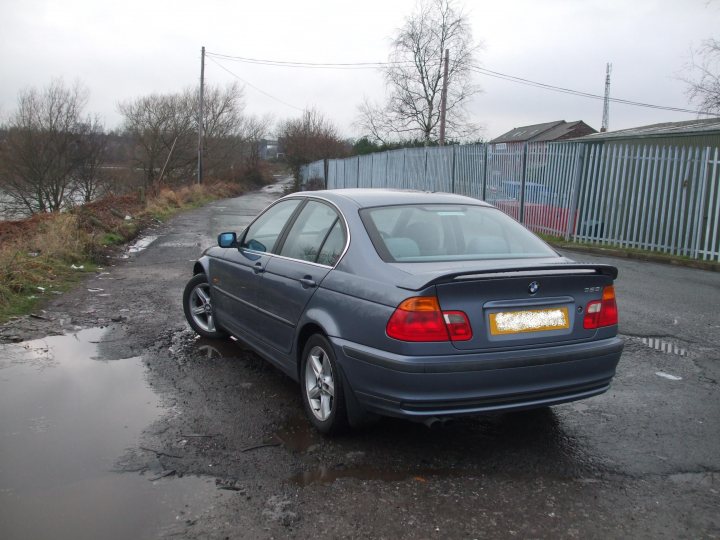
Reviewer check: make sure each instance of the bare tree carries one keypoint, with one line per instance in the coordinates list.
(231, 137)
(252, 131)
(413, 77)
(162, 128)
(703, 84)
(43, 147)
(90, 179)
(309, 138)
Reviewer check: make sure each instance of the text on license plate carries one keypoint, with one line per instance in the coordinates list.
(531, 320)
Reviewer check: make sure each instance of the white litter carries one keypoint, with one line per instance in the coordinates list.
(41, 289)
(81, 267)
(668, 376)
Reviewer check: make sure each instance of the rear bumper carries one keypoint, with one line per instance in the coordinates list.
(427, 386)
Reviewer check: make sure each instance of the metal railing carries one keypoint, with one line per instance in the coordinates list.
(658, 198)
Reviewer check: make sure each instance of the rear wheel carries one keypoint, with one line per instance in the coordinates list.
(321, 386)
(198, 308)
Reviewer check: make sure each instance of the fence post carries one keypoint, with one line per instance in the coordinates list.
(452, 170)
(403, 168)
(522, 184)
(425, 175)
(387, 166)
(325, 172)
(700, 203)
(575, 191)
(486, 151)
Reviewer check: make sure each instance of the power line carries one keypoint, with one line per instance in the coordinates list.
(253, 86)
(528, 82)
(478, 70)
(308, 65)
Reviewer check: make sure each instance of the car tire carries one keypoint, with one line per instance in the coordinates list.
(198, 308)
(321, 386)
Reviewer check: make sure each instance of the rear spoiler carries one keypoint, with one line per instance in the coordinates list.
(521, 271)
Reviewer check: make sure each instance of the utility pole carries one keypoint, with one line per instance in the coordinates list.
(443, 97)
(200, 117)
(606, 101)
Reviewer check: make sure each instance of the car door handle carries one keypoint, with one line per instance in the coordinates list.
(308, 282)
(258, 268)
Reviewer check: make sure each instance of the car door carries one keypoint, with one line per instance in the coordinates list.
(311, 248)
(236, 277)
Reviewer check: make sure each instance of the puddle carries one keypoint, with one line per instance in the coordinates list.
(327, 476)
(66, 416)
(179, 244)
(297, 434)
(664, 345)
(188, 345)
(141, 243)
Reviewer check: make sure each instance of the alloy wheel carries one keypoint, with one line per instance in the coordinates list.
(319, 383)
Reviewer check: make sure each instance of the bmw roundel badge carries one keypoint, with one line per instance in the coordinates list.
(533, 287)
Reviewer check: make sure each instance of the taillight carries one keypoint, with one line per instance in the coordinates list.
(603, 312)
(421, 319)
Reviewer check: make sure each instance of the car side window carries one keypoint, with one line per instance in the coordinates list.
(264, 232)
(309, 231)
(334, 245)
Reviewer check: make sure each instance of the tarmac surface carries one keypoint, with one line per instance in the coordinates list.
(117, 422)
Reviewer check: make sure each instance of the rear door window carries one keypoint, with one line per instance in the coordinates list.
(311, 230)
(333, 246)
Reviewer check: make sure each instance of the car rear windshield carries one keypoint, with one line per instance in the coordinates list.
(435, 233)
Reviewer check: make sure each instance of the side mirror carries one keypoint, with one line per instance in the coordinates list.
(227, 240)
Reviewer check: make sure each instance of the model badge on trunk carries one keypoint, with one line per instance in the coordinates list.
(533, 287)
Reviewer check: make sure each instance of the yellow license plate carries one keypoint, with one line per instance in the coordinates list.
(529, 320)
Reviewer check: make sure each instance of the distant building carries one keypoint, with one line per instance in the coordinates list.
(688, 133)
(267, 149)
(559, 130)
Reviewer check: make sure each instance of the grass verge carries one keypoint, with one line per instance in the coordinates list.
(613, 250)
(47, 254)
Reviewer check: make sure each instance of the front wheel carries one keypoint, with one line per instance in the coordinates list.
(321, 386)
(198, 308)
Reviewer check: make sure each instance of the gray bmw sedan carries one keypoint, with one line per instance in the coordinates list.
(409, 304)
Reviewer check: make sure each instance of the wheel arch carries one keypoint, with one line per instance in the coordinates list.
(309, 329)
(200, 266)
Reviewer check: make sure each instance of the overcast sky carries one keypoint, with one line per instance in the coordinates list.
(122, 50)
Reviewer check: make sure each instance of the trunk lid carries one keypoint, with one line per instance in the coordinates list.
(526, 307)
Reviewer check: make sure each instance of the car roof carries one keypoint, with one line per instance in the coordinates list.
(369, 197)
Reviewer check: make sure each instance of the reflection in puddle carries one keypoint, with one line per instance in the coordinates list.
(297, 434)
(188, 345)
(65, 417)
